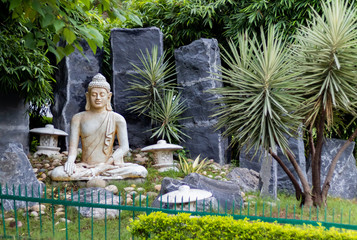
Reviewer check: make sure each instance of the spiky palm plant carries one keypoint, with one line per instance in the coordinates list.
(166, 113)
(150, 80)
(327, 50)
(262, 92)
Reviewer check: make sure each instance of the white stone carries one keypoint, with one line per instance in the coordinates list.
(96, 182)
(34, 214)
(140, 189)
(129, 189)
(112, 188)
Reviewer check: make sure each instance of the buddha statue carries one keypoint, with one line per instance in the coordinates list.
(97, 128)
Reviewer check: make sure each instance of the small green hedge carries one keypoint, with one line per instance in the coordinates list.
(160, 225)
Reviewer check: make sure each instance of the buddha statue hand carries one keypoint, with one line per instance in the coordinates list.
(70, 166)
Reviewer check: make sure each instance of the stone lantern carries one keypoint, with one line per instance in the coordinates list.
(186, 196)
(48, 140)
(163, 155)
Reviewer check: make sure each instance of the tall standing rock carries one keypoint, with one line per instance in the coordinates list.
(75, 73)
(344, 178)
(196, 64)
(14, 121)
(127, 46)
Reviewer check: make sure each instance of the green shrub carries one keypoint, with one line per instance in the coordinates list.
(160, 225)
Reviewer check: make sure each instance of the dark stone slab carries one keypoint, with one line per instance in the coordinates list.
(74, 74)
(247, 179)
(14, 121)
(15, 171)
(279, 181)
(344, 179)
(126, 46)
(223, 192)
(196, 64)
(97, 195)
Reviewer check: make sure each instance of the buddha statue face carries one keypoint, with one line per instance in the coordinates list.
(99, 98)
(98, 95)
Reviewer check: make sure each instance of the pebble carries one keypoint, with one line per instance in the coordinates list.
(112, 188)
(43, 176)
(42, 170)
(46, 165)
(242, 194)
(137, 198)
(96, 182)
(223, 173)
(38, 165)
(59, 210)
(204, 173)
(129, 201)
(133, 185)
(218, 177)
(210, 176)
(132, 193)
(64, 220)
(9, 219)
(129, 189)
(34, 214)
(128, 196)
(65, 153)
(59, 214)
(45, 161)
(158, 187)
(13, 224)
(140, 159)
(35, 170)
(152, 194)
(140, 189)
(37, 208)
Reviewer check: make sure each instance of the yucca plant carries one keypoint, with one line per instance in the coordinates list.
(150, 81)
(327, 51)
(188, 166)
(260, 100)
(166, 113)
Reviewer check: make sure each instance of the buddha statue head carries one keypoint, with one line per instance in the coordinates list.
(98, 95)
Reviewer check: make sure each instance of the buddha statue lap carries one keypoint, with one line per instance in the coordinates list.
(97, 128)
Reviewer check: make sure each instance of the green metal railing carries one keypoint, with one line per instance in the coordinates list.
(47, 225)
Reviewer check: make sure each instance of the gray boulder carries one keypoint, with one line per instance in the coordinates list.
(17, 174)
(127, 46)
(97, 195)
(247, 179)
(344, 179)
(196, 65)
(224, 193)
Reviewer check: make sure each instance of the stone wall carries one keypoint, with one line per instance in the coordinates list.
(195, 64)
(126, 46)
(74, 74)
(14, 121)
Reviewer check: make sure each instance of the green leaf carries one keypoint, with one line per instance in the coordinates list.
(47, 20)
(58, 24)
(92, 45)
(69, 35)
(68, 49)
(135, 19)
(38, 7)
(14, 4)
(30, 41)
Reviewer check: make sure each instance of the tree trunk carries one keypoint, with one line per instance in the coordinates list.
(305, 196)
(316, 162)
(332, 167)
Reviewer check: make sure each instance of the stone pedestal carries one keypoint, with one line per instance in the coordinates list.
(127, 46)
(14, 121)
(74, 74)
(195, 64)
